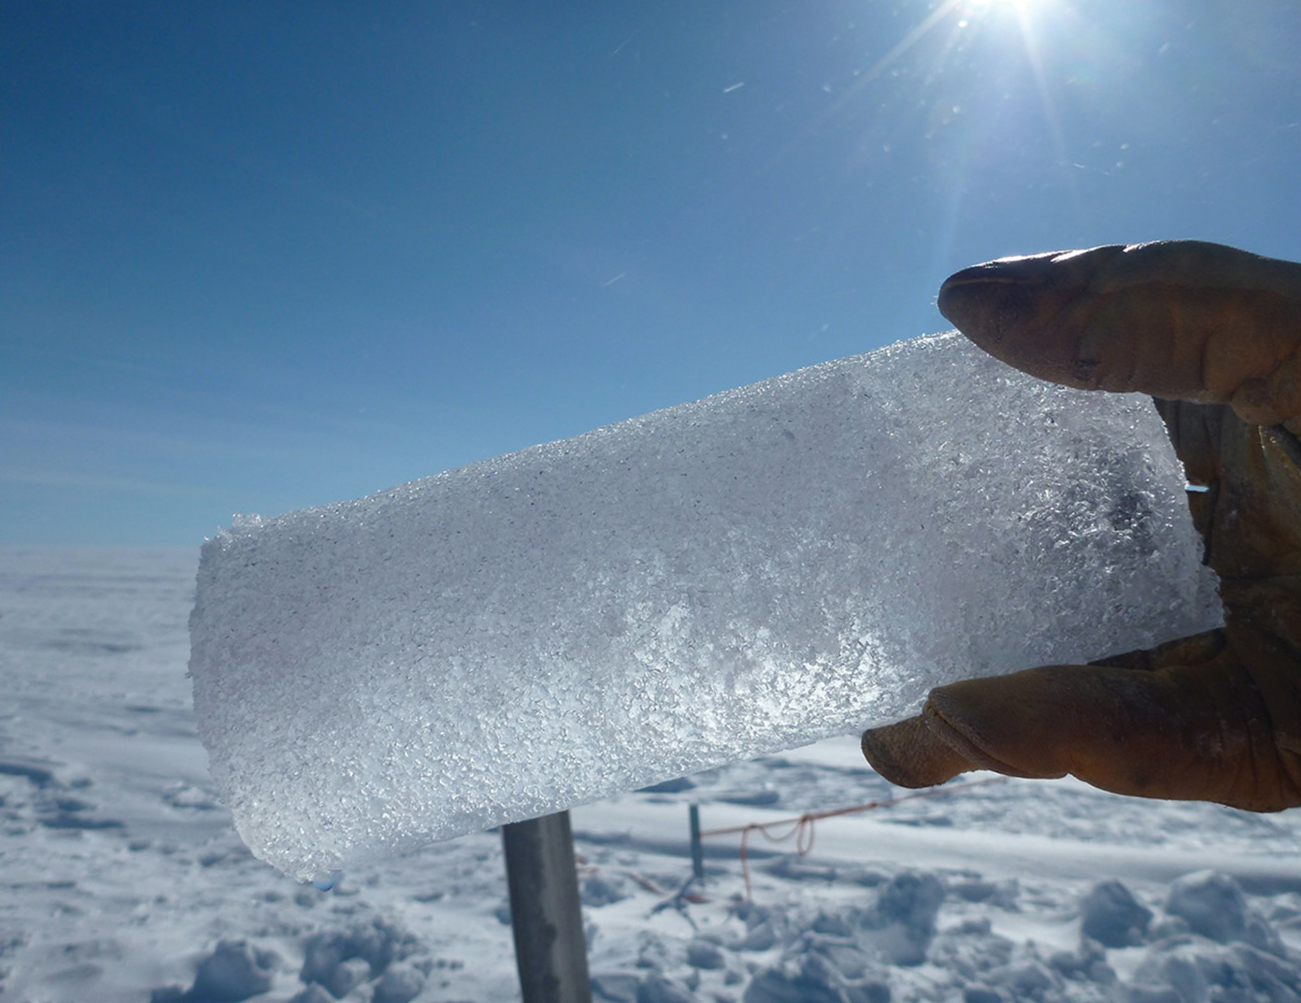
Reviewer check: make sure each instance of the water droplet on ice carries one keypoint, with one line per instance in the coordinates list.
(328, 883)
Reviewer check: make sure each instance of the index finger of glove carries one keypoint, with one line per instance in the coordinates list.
(1183, 320)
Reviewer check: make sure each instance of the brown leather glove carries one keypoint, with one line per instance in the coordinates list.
(1216, 334)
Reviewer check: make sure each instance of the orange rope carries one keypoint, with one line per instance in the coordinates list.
(801, 828)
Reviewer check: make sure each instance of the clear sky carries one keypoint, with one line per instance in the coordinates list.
(261, 256)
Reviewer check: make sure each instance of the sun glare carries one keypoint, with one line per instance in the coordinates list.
(945, 63)
(1018, 5)
(963, 14)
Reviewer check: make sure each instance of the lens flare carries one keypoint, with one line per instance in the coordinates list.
(982, 69)
(1017, 5)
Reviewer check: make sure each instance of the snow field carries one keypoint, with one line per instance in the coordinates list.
(121, 876)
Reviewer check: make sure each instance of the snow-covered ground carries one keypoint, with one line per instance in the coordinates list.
(122, 879)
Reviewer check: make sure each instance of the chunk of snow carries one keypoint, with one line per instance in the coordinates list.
(751, 572)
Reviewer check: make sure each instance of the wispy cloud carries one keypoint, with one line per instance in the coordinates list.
(71, 480)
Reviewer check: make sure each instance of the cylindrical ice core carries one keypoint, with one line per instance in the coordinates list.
(784, 562)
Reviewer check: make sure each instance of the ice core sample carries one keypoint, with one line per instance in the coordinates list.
(780, 563)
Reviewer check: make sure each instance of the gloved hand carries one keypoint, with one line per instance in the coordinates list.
(1215, 333)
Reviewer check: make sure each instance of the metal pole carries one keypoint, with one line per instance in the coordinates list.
(550, 951)
(697, 849)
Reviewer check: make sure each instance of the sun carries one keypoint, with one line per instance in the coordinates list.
(963, 14)
(1022, 9)
(1018, 5)
(952, 37)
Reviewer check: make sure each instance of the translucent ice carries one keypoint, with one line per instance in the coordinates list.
(780, 563)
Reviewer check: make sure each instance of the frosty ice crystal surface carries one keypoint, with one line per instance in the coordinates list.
(791, 560)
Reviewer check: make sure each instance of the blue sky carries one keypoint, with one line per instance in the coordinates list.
(256, 257)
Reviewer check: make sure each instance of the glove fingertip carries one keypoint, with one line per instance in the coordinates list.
(908, 754)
